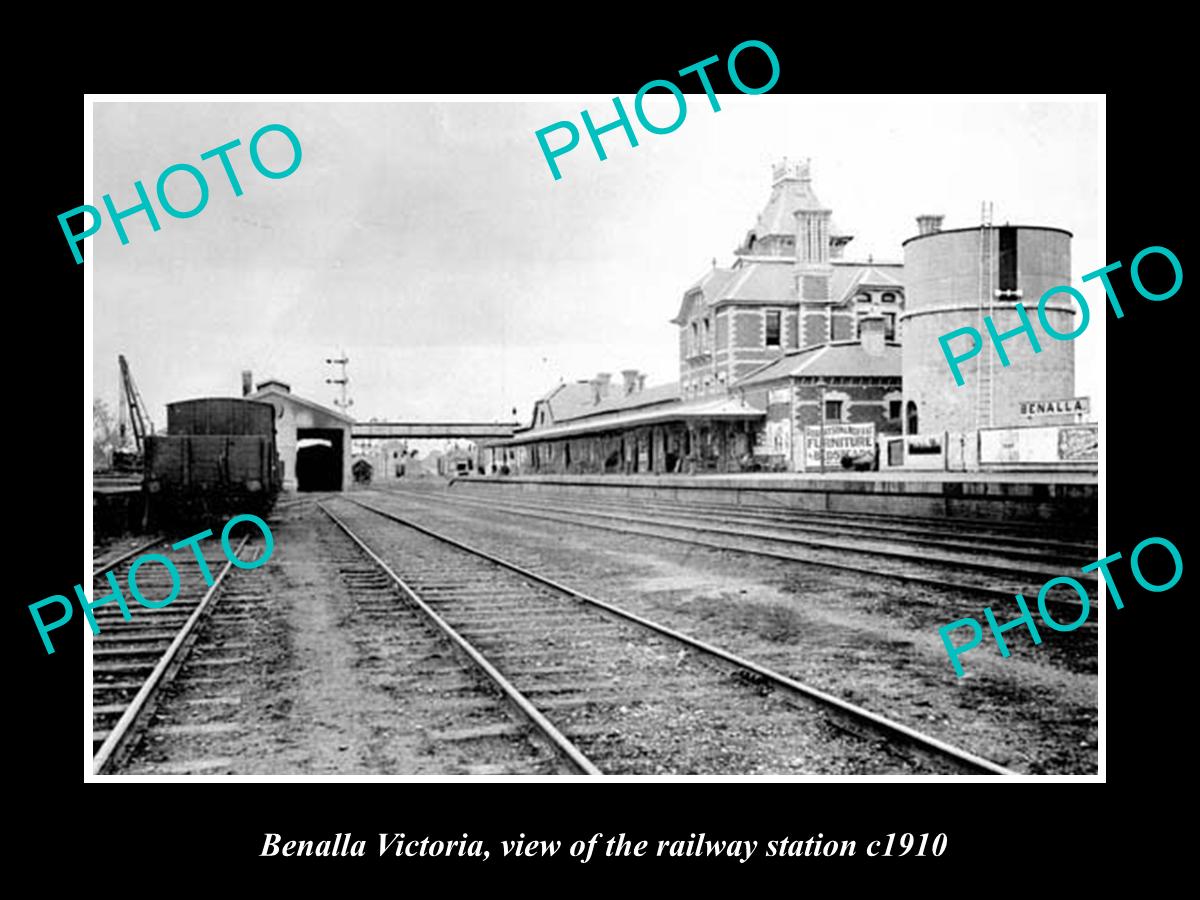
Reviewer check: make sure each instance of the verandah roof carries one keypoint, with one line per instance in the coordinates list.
(723, 408)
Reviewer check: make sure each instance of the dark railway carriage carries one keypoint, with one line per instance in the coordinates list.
(218, 459)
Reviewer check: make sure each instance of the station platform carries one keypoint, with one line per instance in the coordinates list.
(1067, 497)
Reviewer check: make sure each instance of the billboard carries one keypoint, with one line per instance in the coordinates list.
(840, 440)
(779, 438)
(1047, 444)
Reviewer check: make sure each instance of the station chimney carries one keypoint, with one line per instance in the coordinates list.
(247, 383)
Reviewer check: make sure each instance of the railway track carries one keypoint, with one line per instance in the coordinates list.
(134, 661)
(1017, 541)
(919, 568)
(614, 692)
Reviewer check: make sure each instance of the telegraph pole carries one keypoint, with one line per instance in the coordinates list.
(345, 402)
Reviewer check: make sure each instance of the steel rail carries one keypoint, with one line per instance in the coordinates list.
(770, 554)
(136, 551)
(917, 533)
(531, 712)
(679, 520)
(118, 739)
(918, 738)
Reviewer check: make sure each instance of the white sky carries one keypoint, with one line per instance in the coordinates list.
(430, 241)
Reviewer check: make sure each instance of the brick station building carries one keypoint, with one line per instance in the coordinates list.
(791, 359)
(791, 316)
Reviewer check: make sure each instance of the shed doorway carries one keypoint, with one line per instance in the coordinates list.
(319, 459)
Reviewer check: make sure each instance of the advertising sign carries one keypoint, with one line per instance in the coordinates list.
(840, 440)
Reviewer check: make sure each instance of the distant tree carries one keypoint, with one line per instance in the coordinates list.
(104, 434)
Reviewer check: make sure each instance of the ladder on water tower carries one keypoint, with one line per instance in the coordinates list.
(985, 361)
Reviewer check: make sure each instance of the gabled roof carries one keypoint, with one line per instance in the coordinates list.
(711, 283)
(271, 389)
(851, 277)
(762, 282)
(569, 399)
(840, 358)
(651, 396)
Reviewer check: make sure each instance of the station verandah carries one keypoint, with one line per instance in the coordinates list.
(672, 447)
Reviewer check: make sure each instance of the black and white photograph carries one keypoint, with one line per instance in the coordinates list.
(516, 436)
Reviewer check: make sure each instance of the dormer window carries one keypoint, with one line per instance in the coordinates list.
(863, 298)
(889, 298)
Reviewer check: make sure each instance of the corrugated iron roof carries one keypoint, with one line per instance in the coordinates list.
(842, 359)
(711, 408)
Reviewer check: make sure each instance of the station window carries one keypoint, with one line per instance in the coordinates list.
(863, 298)
(889, 326)
(912, 418)
(894, 409)
(833, 410)
(889, 298)
(695, 336)
(707, 335)
(773, 316)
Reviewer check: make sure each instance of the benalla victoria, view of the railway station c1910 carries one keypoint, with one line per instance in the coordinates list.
(496, 551)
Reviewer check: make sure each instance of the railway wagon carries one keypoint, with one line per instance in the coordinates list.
(218, 459)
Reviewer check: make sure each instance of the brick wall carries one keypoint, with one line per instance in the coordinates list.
(816, 328)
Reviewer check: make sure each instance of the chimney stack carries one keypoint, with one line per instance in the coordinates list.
(600, 386)
(641, 382)
(871, 335)
(247, 383)
(929, 224)
(631, 379)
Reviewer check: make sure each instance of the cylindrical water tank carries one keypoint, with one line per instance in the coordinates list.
(958, 277)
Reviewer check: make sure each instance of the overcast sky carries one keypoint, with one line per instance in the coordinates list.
(430, 242)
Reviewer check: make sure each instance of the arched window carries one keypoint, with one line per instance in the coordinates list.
(912, 418)
(889, 298)
(863, 298)
(751, 242)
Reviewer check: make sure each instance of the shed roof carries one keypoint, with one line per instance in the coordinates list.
(272, 389)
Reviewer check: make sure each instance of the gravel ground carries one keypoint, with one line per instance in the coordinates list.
(634, 702)
(868, 641)
(311, 665)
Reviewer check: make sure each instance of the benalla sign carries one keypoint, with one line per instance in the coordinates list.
(1072, 406)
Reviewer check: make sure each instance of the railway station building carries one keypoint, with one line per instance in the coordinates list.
(796, 358)
(790, 328)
